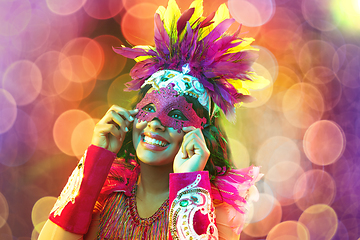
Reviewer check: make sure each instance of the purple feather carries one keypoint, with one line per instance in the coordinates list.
(244, 98)
(186, 45)
(237, 32)
(218, 31)
(133, 85)
(184, 18)
(162, 41)
(144, 69)
(139, 73)
(130, 52)
(208, 85)
(230, 69)
(248, 56)
(207, 21)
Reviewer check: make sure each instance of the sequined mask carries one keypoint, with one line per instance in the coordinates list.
(170, 108)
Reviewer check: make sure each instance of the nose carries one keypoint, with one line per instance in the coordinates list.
(155, 124)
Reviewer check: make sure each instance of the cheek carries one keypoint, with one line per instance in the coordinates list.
(177, 137)
(138, 127)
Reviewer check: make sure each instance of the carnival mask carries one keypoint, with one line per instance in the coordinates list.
(170, 108)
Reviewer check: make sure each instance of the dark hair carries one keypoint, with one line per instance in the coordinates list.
(215, 138)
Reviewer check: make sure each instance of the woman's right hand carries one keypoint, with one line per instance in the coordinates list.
(109, 132)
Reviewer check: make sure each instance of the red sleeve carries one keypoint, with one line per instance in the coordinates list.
(74, 207)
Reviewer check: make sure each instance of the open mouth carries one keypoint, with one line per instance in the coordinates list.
(154, 140)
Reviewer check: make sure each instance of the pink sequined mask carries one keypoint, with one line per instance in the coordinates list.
(171, 109)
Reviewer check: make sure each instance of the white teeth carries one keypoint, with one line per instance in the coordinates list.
(154, 141)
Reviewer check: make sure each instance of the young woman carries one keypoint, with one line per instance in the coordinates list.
(161, 170)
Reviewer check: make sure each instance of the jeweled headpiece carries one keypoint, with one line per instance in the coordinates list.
(183, 83)
(220, 63)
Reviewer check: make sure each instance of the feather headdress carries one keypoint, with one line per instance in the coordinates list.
(221, 62)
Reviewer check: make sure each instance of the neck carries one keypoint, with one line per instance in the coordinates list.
(154, 181)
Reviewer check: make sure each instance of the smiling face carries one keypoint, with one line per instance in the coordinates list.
(157, 134)
(155, 144)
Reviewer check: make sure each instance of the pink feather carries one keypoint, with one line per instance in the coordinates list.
(208, 58)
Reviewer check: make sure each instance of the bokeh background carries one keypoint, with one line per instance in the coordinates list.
(59, 75)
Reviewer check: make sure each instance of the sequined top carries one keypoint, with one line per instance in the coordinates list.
(119, 220)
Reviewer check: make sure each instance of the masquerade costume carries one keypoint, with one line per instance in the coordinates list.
(192, 57)
(190, 195)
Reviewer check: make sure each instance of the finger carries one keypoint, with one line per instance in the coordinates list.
(134, 111)
(186, 140)
(188, 129)
(190, 148)
(125, 114)
(190, 144)
(196, 132)
(105, 129)
(108, 117)
(121, 122)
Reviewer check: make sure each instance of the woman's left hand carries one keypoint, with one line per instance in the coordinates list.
(193, 153)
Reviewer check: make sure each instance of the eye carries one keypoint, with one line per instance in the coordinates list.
(177, 114)
(149, 108)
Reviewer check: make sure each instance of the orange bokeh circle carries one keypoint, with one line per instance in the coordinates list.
(8, 110)
(286, 78)
(4, 210)
(65, 7)
(15, 16)
(26, 74)
(284, 24)
(316, 53)
(64, 127)
(324, 142)
(104, 9)
(282, 178)
(5, 232)
(303, 105)
(92, 56)
(50, 64)
(82, 69)
(113, 63)
(136, 30)
(289, 230)
(272, 218)
(81, 136)
(76, 91)
(321, 221)
(314, 187)
(276, 150)
(40, 211)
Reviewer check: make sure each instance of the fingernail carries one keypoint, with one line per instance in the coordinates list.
(126, 129)
(131, 118)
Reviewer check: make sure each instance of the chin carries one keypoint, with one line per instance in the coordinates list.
(154, 158)
(155, 155)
